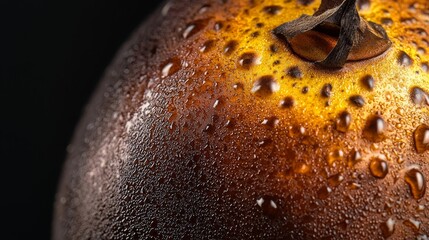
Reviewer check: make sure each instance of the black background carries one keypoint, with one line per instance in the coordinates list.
(52, 55)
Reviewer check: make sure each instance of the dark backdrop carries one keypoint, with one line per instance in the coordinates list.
(52, 55)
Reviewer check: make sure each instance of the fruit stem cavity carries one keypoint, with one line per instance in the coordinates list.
(334, 34)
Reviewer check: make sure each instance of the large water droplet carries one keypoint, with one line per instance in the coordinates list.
(265, 86)
(230, 47)
(207, 46)
(416, 182)
(269, 206)
(355, 157)
(419, 96)
(378, 168)
(343, 121)
(412, 223)
(388, 227)
(247, 60)
(294, 72)
(375, 129)
(421, 138)
(272, 10)
(170, 67)
(287, 102)
(368, 82)
(271, 122)
(357, 100)
(335, 156)
(194, 27)
(404, 59)
(324, 192)
(335, 180)
(326, 90)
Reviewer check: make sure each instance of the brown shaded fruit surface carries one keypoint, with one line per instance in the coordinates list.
(207, 126)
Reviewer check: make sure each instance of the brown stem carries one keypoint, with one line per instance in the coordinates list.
(334, 35)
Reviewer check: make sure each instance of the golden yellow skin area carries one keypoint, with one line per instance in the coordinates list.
(250, 26)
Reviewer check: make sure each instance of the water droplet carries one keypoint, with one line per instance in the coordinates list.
(335, 180)
(272, 10)
(375, 129)
(343, 121)
(218, 26)
(324, 192)
(425, 67)
(404, 59)
(355, 157)
(247, 60)
(386, 21)
(368, 82)
(269, 206)
(194, 27)
(264, 142)
(302, 168)
(255, 34)
(305, 90)
(171, 67)
(207, 46)
(422, 237)
(416, 181)
(326, 90)
(421, 138)
(357, 100)
(294, 72)
(419, 96)
(388, 227)
(265, 86)
(287, 102)
(378, 167)
(238, 86)
(414, 224)
(296, 131)
(271, 122)
(230, 47)
(305, 2)
(335, 156)
(274, 48)
(204, 8)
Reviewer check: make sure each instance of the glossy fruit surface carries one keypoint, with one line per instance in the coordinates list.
(207, 126)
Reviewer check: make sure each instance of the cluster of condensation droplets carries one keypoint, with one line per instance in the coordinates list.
(374, 130)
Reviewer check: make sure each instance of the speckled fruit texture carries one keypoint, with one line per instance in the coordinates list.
(207, 126)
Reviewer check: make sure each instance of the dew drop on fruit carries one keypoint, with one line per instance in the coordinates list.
(170, 67)
(378, 167)
(265, 86)
(324, 192)
(386, 21)
(230, 47)
(287, 102)
(271, 122)
(336, 155)
(357, 100)
(204, 9)
(335, 180)
(343, 121)
(375, 129)
(194, 27)
(425, 67)
(326, 90)
(305, 2)
(413, 224)
(416, 181)
(363, 4)
(388, 227)
(272, 10)
(269, 206)
(419, 96)
(355, 157)
(247, 60)
(404, 59)
(421, 138)
(368, 82)
(218, 26)
(294, 72)
(207, 46)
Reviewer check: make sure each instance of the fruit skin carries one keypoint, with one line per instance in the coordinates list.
(180, 142)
